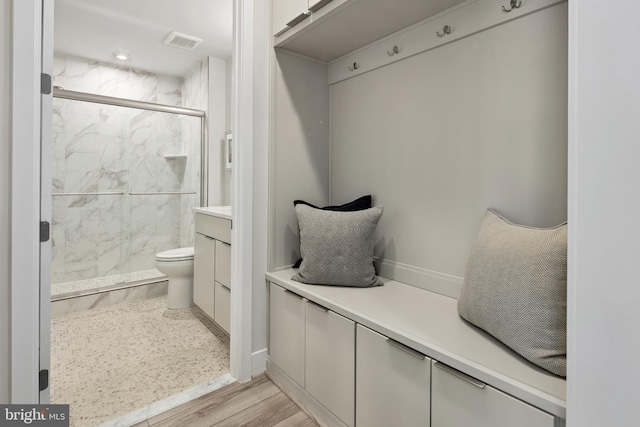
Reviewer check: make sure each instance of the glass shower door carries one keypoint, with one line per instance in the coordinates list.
(124, 182)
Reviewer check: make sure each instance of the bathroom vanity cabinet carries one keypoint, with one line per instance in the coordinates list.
(212, 264)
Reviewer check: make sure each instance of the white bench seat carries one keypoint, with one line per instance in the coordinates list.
(429, 323)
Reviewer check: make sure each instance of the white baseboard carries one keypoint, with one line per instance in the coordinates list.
(258, 362)
(300, 397)
(434, 281)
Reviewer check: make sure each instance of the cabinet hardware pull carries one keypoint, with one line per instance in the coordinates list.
(353, 67)
(225, 287)
(515, 4)
(318, 307)
(281, 32)
(319, 5)
(445, 30)
(298, 19)
(287, 291)
(406, 349)
(460, 375)
(393, 51)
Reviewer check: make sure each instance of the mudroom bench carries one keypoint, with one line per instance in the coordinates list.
(399, 355)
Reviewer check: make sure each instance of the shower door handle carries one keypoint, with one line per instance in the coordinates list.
(160, 193)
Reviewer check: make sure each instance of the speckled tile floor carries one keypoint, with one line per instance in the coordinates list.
(107, 362)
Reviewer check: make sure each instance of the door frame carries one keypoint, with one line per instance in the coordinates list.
(28, 315)
(26, 66)
(242, 190)
(46, 208)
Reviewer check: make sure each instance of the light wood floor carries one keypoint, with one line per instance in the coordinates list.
(258, 403)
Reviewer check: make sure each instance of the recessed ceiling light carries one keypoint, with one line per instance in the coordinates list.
(121, 56)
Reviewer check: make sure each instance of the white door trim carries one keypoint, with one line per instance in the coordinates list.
(25, 190)
(242, 191)
(46, 154)
(26, 60)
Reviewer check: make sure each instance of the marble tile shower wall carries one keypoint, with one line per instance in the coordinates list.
(102, 148)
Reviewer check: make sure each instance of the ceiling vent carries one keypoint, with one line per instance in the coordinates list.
(182, 41)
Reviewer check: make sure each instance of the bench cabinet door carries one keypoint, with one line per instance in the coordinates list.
(392, 382)
(459, 400)
(286, 332)
(330, 361)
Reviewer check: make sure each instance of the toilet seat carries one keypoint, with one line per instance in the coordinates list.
(180, 254)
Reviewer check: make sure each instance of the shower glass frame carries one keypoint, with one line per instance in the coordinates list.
(140, 105)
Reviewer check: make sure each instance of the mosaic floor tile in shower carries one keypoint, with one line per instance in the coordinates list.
(101, 282)
(110, 361)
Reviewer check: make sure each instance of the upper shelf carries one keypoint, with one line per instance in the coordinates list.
(343, 26)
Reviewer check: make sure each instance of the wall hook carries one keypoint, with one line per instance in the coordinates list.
(354, 67)
(515, 4)
(445, 30)
(393, 51)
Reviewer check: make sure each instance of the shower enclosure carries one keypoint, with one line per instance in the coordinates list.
(125, 177)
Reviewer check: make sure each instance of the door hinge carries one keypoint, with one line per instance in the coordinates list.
(44, 379)
(45, 83)
(44, 231)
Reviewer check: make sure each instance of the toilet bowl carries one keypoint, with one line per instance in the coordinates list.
(177, 264)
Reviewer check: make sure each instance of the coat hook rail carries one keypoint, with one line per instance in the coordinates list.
(515, 4)
(393, 51)
(445, 30)
(354, 67)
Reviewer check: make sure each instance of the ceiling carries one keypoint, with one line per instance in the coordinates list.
(96, 29)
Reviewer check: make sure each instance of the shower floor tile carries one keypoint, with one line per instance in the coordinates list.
(102, 282)
(108, 362)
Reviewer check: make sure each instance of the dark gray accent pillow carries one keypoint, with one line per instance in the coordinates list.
(515, 288)
(337, 247)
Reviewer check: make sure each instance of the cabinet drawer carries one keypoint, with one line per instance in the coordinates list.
(203, 273)
(223, 263)
(458, 400)
(392, 382)
(286, 332)
(223, 307)
(217, 228)
(284, 11)
(330, 361)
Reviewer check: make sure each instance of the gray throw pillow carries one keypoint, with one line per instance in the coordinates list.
(337, 247)
(515, 288)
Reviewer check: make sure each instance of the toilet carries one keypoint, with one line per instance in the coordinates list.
(177, 264)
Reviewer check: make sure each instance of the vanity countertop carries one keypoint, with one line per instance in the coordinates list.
(223, 212)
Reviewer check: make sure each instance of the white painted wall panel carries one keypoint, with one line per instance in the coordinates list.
(262, 54)
(301, 147)
(219, 183)
(5, 198)
(442, 136)
(604, 207)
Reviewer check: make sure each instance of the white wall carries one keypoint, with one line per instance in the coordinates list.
(216, 126)
(261, 58)
(301, 153)
(440, 137)
(5, 199)
(604, 208)
(226, 178)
